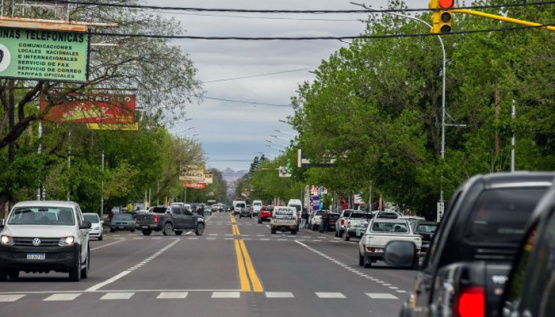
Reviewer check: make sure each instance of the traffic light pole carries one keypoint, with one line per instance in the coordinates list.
(502, 18)
(443, 73)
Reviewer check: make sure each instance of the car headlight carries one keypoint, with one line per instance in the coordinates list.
(66, 241)
(6, 240)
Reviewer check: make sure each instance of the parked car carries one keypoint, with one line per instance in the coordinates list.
(97, 228)
(333, 217)
(315, 220)
(356, 224)
(379, 233)
(341, 222)
(122, 222)
(473, 248)
(426, 230)
(44, 236)
(530, 290)
(265, 213)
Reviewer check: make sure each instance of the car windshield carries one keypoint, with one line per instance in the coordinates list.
(400, 227)
(59, 216)
(240, 205)
(500, 214)
(92, 218)
(123, 217)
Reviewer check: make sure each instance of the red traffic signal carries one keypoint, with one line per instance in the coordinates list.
(446, 4)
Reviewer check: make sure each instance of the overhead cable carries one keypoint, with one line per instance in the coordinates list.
(132, 6)
(311, 38)
(258, 75)
(247, 102)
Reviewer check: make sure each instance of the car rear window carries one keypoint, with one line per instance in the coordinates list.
(400, 227)
(426, 228)
(333, 216)
(500, 214)
(240, 205)
(360, 215)
(123, 217)
(284, 213)
(159, 210)
(92, 218)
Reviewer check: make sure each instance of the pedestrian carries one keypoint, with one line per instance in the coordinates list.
(325, 221)
(304, 218)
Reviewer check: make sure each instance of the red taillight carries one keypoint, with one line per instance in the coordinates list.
(342, 222)
(156, 219)
(471, 302)
(348, 224)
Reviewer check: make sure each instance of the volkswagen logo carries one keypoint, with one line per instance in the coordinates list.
(36, 242)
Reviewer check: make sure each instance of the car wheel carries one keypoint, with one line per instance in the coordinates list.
(178, 232)
(293, 232)
(199, 229)
(100, 238)
(259, 220)
(132, 230)
(367, 263)
(3, 275)
(112, 230)
(360, 260)
(168, 229)
(346, 236)
(85, 270)
(13, 274)
(147, 232)
(75, 272)
(273, 231)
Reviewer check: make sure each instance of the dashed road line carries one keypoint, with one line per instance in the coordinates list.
(107, 245)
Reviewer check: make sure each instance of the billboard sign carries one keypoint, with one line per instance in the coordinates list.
(191, 173)
(91, 108)
(195, 185)
(44, 55)
(208, 179)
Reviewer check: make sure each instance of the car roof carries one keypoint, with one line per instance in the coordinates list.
(516, 179)
(389, 220)
(90, 213)
(46, 203)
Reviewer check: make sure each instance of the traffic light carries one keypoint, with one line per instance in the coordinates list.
(441, 18)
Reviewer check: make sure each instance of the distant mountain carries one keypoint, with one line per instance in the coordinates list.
(230, 176)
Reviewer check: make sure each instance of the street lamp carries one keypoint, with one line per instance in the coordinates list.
(276, 143)
(284, 132)
(273, 147)
(275, 136)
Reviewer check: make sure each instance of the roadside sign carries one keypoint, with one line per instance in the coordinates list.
(440, 210)
(44, 55)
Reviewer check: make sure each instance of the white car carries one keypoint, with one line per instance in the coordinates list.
(44, 236)
(256, 205)
(97, 228)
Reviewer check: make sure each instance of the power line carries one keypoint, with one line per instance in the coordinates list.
(259, 75)
(131, 6)
(247, 102)
(311, 38)
(255, 17)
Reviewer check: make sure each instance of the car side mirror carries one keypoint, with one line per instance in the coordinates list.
(101, 222)
(85, 225)
(400, 253)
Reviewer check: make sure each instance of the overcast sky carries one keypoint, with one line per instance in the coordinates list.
(232, 134)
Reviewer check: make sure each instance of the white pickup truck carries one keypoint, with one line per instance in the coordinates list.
(381, 231)
(284, 219)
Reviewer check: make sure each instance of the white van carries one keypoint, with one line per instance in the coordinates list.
(256, 205)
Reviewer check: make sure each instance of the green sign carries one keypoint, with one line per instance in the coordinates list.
(44, 55)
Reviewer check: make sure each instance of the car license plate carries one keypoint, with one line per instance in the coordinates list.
(36, 256)
(379, 250)
(145, 227)
(121, 227)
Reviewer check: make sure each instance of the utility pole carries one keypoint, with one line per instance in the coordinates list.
(102, 186)
(513, 115)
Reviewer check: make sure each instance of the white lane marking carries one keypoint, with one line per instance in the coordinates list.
(401, 291)
(260, 235)
(329, 295)
(157, 238)
(116, 296)
(226, 295)
(394, 287)
(281, 239)
(192, 238)
(268, 226)
(189, 232)
(229, 239)
(245, 235)
(381, 296)
(131, 269)
(265, 239)
(387, 284)
(228, 235)
(210, 238)
(10, 298)
(213, 234)
(138, 238)
(107, 245)
(61, 297)
(279, 295)
(171, 295)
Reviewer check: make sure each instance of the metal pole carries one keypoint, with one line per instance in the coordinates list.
(39, 191)
(157, 192)
(69, 165)
(102, 186)
(513, 115)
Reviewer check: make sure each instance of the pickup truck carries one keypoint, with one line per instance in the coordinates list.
(170, 219)
(356, 224)
(379, 233)
(471, 254)
(284, 219)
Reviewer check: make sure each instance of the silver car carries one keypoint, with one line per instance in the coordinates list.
(96, 225)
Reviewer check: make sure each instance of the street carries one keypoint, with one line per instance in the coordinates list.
(236, 268)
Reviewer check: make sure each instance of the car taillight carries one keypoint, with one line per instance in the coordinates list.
(348, 224)
(471, 302)
(342, 222)
(156, 219)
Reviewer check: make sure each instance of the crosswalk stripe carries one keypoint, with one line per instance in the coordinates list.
(61, 297)
(329, 295)
(171, 295)
(279, 295)
(116, 296)
(381, 296)
(226, 295)
(10, 298)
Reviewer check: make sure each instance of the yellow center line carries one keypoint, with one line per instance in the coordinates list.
(245, 285)
(256, 285)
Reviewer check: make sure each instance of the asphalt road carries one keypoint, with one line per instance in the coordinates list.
(237, 268)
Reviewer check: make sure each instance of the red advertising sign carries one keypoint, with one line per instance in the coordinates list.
(91, 108)
(193, 184)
